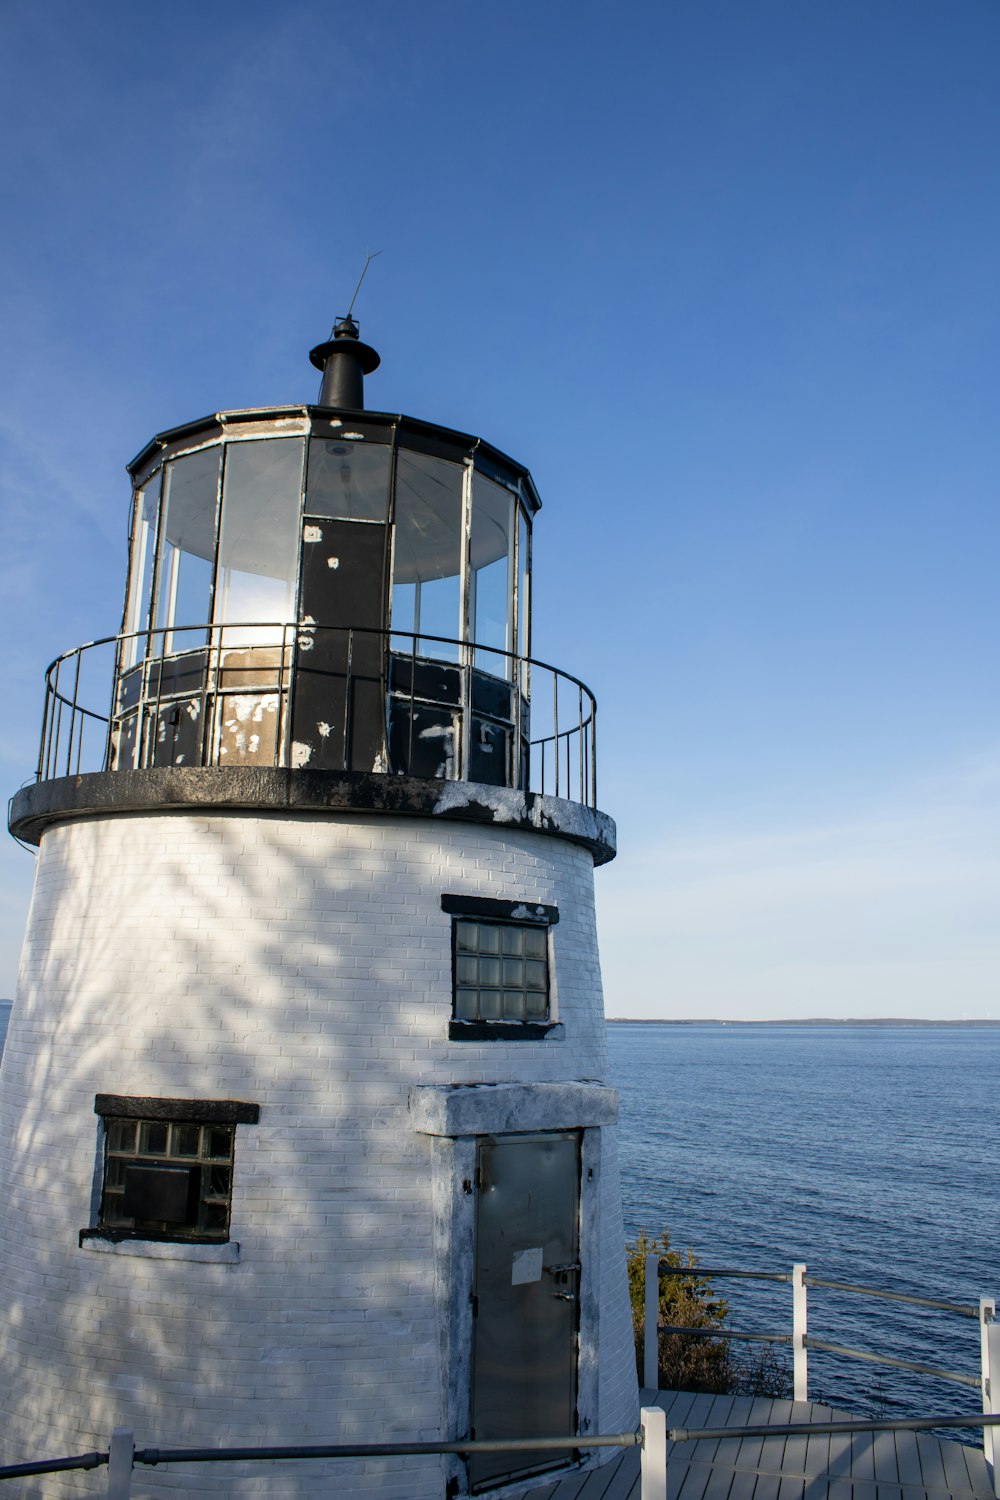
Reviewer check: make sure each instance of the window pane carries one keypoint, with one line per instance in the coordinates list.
(466, 1005)
(121, 1135)
(513, 939)
(513, 1005)
(466, 970)
(140, 587)
(489, 971)
(491, 582)
(534, 974)
(347, 480)
(186, 549)
(218, 1183)
(259, 540)
(523, 594)
(535, 944)
(152, 1138)
(185, 1140)
(467, 936)
(489, 1005)
(114, 1176)
(427, 549)
(489, 938)
(536, 1006)
(220, 1143)
(513, 972)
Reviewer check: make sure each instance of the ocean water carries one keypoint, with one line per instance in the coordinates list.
(870, 1153)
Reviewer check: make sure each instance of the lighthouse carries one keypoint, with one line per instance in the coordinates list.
(305, 1128)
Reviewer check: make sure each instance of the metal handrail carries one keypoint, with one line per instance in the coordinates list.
(799, 1338)
(961, 1309)
(651, 1439)
(725, 1271)
(154, 1456)
(915, 1366)
(811, 1429)
(61, 752)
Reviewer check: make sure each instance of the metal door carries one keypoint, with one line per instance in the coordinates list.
(526, 1299)
(338, 720)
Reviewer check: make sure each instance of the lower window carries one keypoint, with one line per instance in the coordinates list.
(168, 1167)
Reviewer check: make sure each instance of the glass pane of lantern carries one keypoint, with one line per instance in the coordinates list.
(347, 480)
(186, 549)
(523, 595)
(491, 585)
(427, 550)
(140, 584)
(259, 539)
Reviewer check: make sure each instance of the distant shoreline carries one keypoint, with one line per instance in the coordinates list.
(810, 1021)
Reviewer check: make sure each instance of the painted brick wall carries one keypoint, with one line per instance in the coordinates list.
(304, 964)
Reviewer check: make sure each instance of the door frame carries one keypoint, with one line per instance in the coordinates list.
(452, 1149)
(526, 1468)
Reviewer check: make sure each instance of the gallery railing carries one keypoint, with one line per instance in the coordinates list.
(389, 701)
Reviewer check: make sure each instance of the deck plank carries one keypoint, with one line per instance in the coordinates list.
(884, 1455)
(625, 1478)
(979, 1475)
(742, 1486)
(862, 1456)
(838, 1466)
(907, 1458)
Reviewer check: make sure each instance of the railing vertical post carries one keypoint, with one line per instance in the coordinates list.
(653, 1454)
(120, 1464)
(989, 1363)
(800, 1327)
(651, 1319)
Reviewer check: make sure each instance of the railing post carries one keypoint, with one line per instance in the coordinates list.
(800, 1327)
(989, 1362)
(650, 1330)
(120, 1464)
(653, 1454)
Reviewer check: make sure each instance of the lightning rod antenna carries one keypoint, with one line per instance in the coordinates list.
(371, 256)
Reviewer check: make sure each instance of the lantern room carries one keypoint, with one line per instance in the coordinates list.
(325, 588)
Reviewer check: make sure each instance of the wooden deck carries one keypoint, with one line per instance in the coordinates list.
(866, 1466)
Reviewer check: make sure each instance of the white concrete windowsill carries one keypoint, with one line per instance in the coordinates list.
(224, 1255)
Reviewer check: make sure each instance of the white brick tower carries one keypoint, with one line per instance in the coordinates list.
(304, 1130)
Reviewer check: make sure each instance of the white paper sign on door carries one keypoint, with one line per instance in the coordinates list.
(527, 1266)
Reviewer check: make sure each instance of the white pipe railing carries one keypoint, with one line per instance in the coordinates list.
(653, 1440)
(802, 1342)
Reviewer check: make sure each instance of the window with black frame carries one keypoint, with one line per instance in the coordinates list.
(501, 969)
(168, 1167)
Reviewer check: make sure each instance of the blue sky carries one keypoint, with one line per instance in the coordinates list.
(721, 272)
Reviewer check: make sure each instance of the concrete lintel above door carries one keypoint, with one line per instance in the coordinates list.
(503, 1108)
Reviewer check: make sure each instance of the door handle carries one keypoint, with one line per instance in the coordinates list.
(565, 1296)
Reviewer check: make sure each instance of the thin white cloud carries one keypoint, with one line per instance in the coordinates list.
(891, 912)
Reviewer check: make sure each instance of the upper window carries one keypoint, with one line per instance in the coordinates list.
(168, 1167)
(500, 958)
(501, 971)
